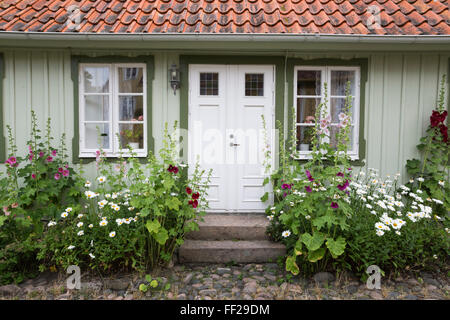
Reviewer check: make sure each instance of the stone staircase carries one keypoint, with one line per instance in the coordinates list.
(224, 238)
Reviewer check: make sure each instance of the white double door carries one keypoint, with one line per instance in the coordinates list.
(226, 104)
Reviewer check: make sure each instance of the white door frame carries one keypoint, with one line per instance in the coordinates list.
(228, 185)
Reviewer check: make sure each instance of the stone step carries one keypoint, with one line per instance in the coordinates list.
(206, 251)
(231, 227)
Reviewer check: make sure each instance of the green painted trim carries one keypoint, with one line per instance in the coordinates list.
(75, 61)
(362, 63)
(186, 60)
(2, 135)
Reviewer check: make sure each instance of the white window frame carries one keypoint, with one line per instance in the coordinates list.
(326, 77)
(114, 143)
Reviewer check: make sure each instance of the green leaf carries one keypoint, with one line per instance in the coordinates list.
(313, 242)
(162, 236)
(173, 203)
(2, 220)
(291, 266)
(148, 278)
(336, 247)
(153, 226)
(153, 283)
(143, 288)
(266, 181)
(265, 197)
(327, 219)
(316, 255)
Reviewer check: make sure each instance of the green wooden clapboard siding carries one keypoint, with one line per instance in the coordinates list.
(401, 91)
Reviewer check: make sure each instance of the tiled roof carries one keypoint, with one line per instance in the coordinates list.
(396, 17)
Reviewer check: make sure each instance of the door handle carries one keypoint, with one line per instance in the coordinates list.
(234, 144)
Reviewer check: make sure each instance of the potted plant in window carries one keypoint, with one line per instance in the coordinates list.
(307, 138)
(133, 136)
(308, 135)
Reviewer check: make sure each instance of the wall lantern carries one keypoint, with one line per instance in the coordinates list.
(174, 77)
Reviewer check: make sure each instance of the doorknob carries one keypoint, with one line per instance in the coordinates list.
(234, 144)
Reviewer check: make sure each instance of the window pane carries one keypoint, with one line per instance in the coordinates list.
(96, 108)
(338, 106)
(209, 84)
(91, 138)
(309, 82)
(306, 109)
(132, 134)
(131, 108)
(305, 134)
(333, 139)
(131, 80)
(254, 84)
(339, 81)
(96, 79)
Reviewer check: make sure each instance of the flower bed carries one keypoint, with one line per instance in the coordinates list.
(331, 218)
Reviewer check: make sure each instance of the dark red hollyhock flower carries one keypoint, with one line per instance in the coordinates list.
(188, 190)
(308, 189)
(339, 174)
(172, 169)
(437, 118)
(334, 205)
(193, 203)
(285, 186)
(196, 195)
(444, 131)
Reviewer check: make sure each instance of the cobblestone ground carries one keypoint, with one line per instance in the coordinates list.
(247, 282)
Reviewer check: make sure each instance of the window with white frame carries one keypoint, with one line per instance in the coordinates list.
(309, 92)
(112, 106)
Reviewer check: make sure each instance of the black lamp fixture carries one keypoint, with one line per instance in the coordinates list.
(174, 77)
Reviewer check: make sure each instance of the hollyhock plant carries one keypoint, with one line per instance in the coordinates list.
(316, 209)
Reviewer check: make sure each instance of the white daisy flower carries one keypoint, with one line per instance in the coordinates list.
(441, 183)
(270, 217)
(87, 184)
(80, 216)
(103, 223)
(64, 214)
(51, 224)
(91, 255)
(438, 201)
(286, 234)
(69, 210)
(308, 217)
(420, 179)
(80, 233)
(71, 247)
(398, 232)
(112, 234)
(90, 226)
(79, 224)
(380, 232)
(101, 179)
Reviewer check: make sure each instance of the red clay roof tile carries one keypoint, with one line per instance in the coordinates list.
(399, 17)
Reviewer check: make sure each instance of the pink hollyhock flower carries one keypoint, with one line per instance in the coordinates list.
(41, 154)
(5, 210)
(286, 186)
(308, 174)
(14, 205)
(33, 175)
(54, 153)
(65, 173)
(57, 176)
(30, 157)
(66, 166)
(49, 159)
(334, 205)
(60, 170)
